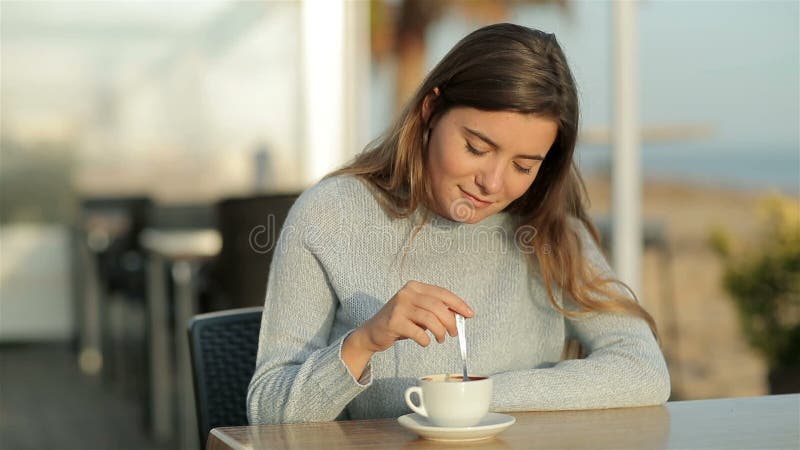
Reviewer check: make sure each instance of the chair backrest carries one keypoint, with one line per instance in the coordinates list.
(223, 346)
(249, 227)
(115, 223)
(183, 216)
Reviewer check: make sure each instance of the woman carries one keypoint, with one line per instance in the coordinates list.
(470, 204)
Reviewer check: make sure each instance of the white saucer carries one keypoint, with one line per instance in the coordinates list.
(489, 426)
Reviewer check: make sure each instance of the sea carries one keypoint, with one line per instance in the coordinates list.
(736, 167)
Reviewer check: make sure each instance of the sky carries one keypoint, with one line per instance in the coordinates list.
(730, 64)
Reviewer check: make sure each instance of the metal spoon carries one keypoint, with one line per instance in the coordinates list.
(462, 342)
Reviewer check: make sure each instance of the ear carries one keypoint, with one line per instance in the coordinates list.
(427, 104)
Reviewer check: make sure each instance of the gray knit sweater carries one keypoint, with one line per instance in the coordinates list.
(339, 259)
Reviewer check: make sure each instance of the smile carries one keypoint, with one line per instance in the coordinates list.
(476, 202)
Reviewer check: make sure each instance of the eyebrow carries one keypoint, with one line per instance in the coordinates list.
(486, 139)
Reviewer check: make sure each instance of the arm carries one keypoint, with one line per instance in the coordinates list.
(624, 366)
(298, 376)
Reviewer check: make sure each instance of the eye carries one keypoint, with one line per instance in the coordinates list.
(474, 150)
(525, 170)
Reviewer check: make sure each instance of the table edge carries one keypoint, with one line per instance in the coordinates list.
(225, 439)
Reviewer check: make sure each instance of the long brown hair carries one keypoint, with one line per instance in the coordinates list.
(506, 67)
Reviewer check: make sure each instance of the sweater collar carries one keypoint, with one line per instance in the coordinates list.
(501, 219)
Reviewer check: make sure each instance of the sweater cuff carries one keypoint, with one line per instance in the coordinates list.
(366, 376)
(339, 382)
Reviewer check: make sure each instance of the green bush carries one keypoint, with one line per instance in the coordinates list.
(763, 279)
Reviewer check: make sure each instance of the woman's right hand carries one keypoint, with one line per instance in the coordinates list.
(415, 308)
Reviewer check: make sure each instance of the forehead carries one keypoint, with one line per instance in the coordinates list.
(508, 129)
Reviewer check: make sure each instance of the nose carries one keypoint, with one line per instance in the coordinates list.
(490, 178)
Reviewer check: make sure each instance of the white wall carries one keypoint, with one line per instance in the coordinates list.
(35, 289)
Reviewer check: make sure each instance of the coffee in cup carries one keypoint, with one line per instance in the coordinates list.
(449, 401)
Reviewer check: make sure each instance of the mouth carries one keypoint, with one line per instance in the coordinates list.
(476, 201)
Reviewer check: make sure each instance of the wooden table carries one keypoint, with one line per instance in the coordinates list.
(771, 422)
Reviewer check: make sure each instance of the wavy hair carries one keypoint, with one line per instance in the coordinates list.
(506, 67)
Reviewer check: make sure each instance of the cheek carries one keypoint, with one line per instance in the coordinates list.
(457, 164)
(447, 162)
(519, 187)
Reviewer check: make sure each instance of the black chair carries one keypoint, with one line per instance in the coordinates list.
(183, 216)
(108, 231)
(249, 227)
(223, 347)
(112, 226)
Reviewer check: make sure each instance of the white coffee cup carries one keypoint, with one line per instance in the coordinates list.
(448, 401)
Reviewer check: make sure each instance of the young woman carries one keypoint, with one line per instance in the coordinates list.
(469, 204)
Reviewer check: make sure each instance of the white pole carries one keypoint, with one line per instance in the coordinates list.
(323, 71)
(356, 77)
(626, 168)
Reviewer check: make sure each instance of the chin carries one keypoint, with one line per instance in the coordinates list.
(472, 220)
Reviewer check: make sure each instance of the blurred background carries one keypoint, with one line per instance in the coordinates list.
(143, 142)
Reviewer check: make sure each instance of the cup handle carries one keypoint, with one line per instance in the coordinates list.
(417, 409)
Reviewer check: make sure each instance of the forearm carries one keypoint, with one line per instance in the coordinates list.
(354, 353)
(316, 390)
(610, 378)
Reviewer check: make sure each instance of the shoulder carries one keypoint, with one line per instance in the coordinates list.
(331, 198)
(590, 249)
(341, 188)
(582, 231)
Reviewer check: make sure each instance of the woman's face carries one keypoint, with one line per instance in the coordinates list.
(480, 161)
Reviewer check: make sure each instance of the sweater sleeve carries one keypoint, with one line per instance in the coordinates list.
(299, 375)
(624, 366)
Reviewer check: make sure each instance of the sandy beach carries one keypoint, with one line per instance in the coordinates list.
(707, 354)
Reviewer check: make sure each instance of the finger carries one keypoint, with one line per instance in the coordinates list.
(443, 313)
(410, 330)
(453, 301)
(429, 321)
